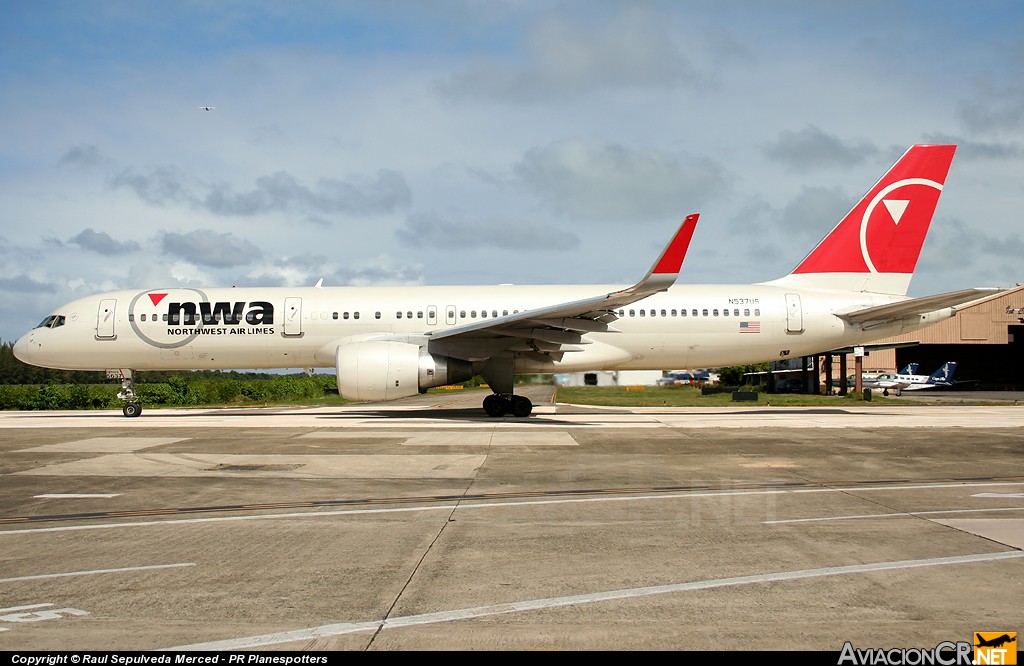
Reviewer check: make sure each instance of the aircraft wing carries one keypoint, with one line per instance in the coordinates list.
(556, 329)
(916, 306)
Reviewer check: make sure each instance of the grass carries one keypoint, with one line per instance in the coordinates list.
(689, 396)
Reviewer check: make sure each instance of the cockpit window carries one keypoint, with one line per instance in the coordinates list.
(53, 321)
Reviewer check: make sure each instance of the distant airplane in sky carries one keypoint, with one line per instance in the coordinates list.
(394, 342)
(207, 108)
(900, 382)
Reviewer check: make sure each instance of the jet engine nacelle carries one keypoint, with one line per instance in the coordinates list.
(383, 370)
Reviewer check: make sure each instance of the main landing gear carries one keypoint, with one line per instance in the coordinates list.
(132, 407)
(499, 404)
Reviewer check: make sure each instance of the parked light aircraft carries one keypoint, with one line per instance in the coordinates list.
(393, 342)
(908, 381)
(851, 380)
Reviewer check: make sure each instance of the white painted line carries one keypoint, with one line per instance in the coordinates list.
(553, 602)
(902, 514)
(106, 445)
(74, 496)
(999, 495)
(510, 504)
(21, 608)
(309, 466)
(97, 571)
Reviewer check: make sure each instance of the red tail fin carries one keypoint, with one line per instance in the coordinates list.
(878, 243)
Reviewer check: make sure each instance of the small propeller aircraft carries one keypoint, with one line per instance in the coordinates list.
(900, 382)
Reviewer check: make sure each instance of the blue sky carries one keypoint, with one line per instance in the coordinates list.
(487, 142)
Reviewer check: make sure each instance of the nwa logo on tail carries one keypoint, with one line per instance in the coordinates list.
(254, 313)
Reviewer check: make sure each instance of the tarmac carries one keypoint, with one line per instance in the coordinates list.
(423, 524)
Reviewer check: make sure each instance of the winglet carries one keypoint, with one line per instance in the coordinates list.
(671, 258)
(665, 270)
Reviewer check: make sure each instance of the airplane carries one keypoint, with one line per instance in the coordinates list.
(394, 342)
(998, 641)
(851, 380)
(207, 108)
(910, 382)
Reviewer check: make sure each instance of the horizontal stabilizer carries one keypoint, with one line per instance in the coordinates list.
(916, 306)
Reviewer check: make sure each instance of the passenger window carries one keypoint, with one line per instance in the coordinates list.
(673, 313)
(494, 313)
(473, 314)
(746, 312)
(335, 315)
(757, 312)
(663, 314)
(398, 315)
(408, 315)
(682, 313)
(419, 315)
(694, 312)
(725, 312)
(736, 313)
(462, 314)
(632, 313)
(705, 312)
(716, 312)
(344, 315)
(376, 315)
(131, 317)
(504, 313)
(355, 315)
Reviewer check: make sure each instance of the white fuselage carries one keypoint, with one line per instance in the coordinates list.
(302, 327)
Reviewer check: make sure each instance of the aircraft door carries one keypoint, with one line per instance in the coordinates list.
(431, 315)
(449, 315)
(794, 314)
(105, 319)
(293, 315)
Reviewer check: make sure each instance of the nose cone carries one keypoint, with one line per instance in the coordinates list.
(21, 348)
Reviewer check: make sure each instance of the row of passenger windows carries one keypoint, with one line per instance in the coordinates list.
(705, 312)
(54, 321)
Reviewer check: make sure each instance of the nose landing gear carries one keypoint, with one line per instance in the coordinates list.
(132, 406)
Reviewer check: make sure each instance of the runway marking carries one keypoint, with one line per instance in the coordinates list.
(999, 495)
(76, 496)
(901, 514)
(339, 629)
(354, 466)
(105, 445)
(94, 572)
(468, 505)
(22, 608)
(545, 417)
(443, 438)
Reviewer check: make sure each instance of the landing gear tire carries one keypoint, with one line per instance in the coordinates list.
(899, 392)
(521, 407)
(495, 405)
(131, 409)
(499, 405)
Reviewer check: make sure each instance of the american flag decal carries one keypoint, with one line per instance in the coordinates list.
(750, 327)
